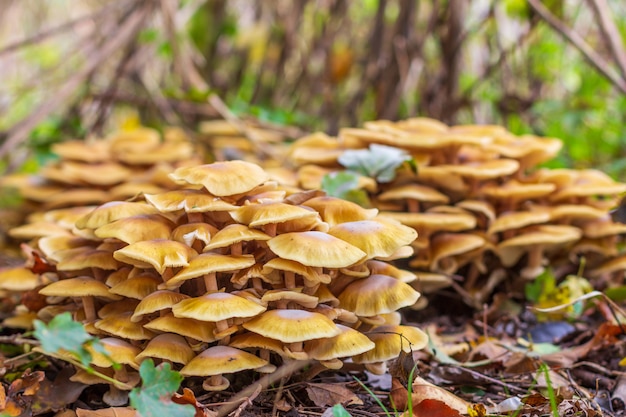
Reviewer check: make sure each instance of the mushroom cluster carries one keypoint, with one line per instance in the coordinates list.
(483, 209)
(94, 171)
(233, 272)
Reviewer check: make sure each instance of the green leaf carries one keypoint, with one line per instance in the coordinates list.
(154, 397)
(379, 161)
(542, 284)
(339, 411)
(64, 334)
(345, 184)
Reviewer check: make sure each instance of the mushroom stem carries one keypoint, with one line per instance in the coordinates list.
(413, 205)
(167, 274)
(90, 308)
(270, 229)
(535, 257)
(210, 282)
(290, 279)
(195, 218)
(236, 248)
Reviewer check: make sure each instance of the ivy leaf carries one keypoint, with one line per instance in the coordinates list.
(345, 184)
(65, 334)
(154, 397)
(379, 161)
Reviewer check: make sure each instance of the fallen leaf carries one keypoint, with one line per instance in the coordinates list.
(57, 394)
(107, 412)
(399, 395)
(188, 397)
(324, 395)
(432, 408)
(28, 384)
(424, 390)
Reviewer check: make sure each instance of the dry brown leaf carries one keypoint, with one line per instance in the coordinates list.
(424, 390)
(107, 412)
(3, 397)
(432, 408)
(398, 394)
(324, 395)
(57, 394)
(188, 397)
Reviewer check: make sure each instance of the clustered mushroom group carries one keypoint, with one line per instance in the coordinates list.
(484, 211)
(95, 171)
(229, 272)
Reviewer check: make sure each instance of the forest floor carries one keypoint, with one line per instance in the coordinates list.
(501, 361)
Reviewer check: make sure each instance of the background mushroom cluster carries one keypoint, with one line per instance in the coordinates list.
(230, 272)
(98, 170)
(485, 212)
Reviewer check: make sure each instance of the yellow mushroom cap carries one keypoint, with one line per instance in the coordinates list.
(216, 306)
(156, 301)
(136, 228)
(349, 342)
(223, 178)
(114, 210)
(118, 351)
(335, 210)
(195, 329)
(377, 238)
(78, 287)
(121, 326)
(157, 253)
(19, 278)
(390, 340)
(168, 346)
(291, 326)
(207, 263)
(377, 294)
(218, 360)
(191, 201)
(316, 249)
(234, 233)
(256, 215)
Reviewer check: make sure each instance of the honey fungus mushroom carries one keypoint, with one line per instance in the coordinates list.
(85, 288)
(218, 360)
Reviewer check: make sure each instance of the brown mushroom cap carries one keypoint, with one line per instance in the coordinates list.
(518, 220)
(511, 250)
(223, 178)
(291, 326)
(315, 249)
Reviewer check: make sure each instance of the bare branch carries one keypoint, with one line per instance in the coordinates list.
(611, 34)
(574, 38)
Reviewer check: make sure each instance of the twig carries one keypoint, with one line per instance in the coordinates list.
(57, 30)
(610, 32)
(126, 31)
(574, 38)
(19, 340)
(282, 372)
